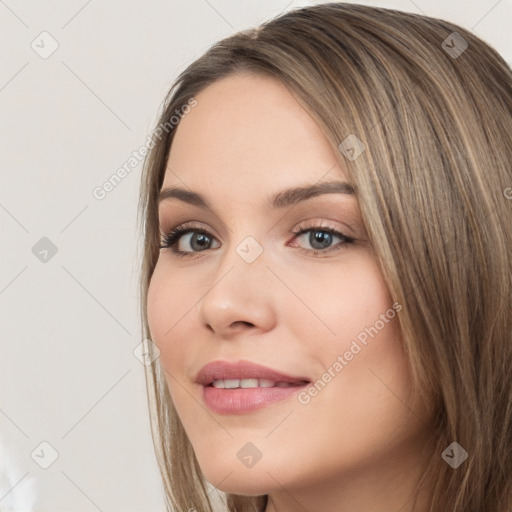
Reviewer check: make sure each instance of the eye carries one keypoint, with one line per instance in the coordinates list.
(321, 238)
(199, 240)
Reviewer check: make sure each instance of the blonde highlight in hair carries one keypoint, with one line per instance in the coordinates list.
(431, 184)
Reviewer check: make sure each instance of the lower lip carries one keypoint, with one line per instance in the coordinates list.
(241, 400)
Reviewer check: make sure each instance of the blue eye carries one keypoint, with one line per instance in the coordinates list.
(199, 239)
(320, 239)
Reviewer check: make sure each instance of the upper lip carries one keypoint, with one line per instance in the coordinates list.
(218, 370)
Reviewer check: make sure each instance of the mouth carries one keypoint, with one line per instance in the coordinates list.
(244, 387)
(245, 374)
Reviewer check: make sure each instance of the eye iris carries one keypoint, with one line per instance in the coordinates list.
(320, 237)
(199, 238)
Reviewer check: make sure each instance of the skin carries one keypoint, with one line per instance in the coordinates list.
(357, 444)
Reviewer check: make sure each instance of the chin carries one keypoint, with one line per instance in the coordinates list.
(242, 481)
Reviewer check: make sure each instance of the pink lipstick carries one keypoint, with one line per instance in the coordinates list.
(236, 388)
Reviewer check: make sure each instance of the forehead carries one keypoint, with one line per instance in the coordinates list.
(248, 132)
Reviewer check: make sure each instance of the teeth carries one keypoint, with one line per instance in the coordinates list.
(231, 383)
(265, 383)
(249, 383)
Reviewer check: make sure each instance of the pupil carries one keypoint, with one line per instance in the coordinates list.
(319, 237)
(201, 239)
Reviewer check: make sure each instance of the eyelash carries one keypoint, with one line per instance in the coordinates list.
(170, 240)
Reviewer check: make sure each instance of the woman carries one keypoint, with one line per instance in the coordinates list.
(344, 340)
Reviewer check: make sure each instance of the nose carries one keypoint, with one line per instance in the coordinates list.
(241, 298)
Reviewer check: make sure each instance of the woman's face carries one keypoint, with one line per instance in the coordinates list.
(313, 306)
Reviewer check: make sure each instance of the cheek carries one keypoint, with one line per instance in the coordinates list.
(156, 307)
(167, 307)
(347, 301)
(357, 347)
(172, 308)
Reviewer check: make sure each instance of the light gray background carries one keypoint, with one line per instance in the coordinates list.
(69, 325)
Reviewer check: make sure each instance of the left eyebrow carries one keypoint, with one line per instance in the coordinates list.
(282, 199)
(293, 196)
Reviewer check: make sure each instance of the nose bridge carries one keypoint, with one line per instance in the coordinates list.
(243, 262)
(239, 291)
(244, 247)
(249, 250)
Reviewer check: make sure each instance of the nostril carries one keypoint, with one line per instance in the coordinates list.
(243, 322)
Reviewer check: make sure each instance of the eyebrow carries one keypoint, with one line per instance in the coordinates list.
(283, 199)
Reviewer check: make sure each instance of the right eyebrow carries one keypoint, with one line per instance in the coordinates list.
(183, 195)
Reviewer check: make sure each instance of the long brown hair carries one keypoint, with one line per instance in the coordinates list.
(432, 104)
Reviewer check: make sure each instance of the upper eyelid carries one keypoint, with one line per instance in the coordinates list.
(301, 226)
(355, 228)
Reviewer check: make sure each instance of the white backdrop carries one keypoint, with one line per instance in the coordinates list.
(80, 85)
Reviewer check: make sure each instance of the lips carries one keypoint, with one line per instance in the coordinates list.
(225, 370)
(238, 388)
